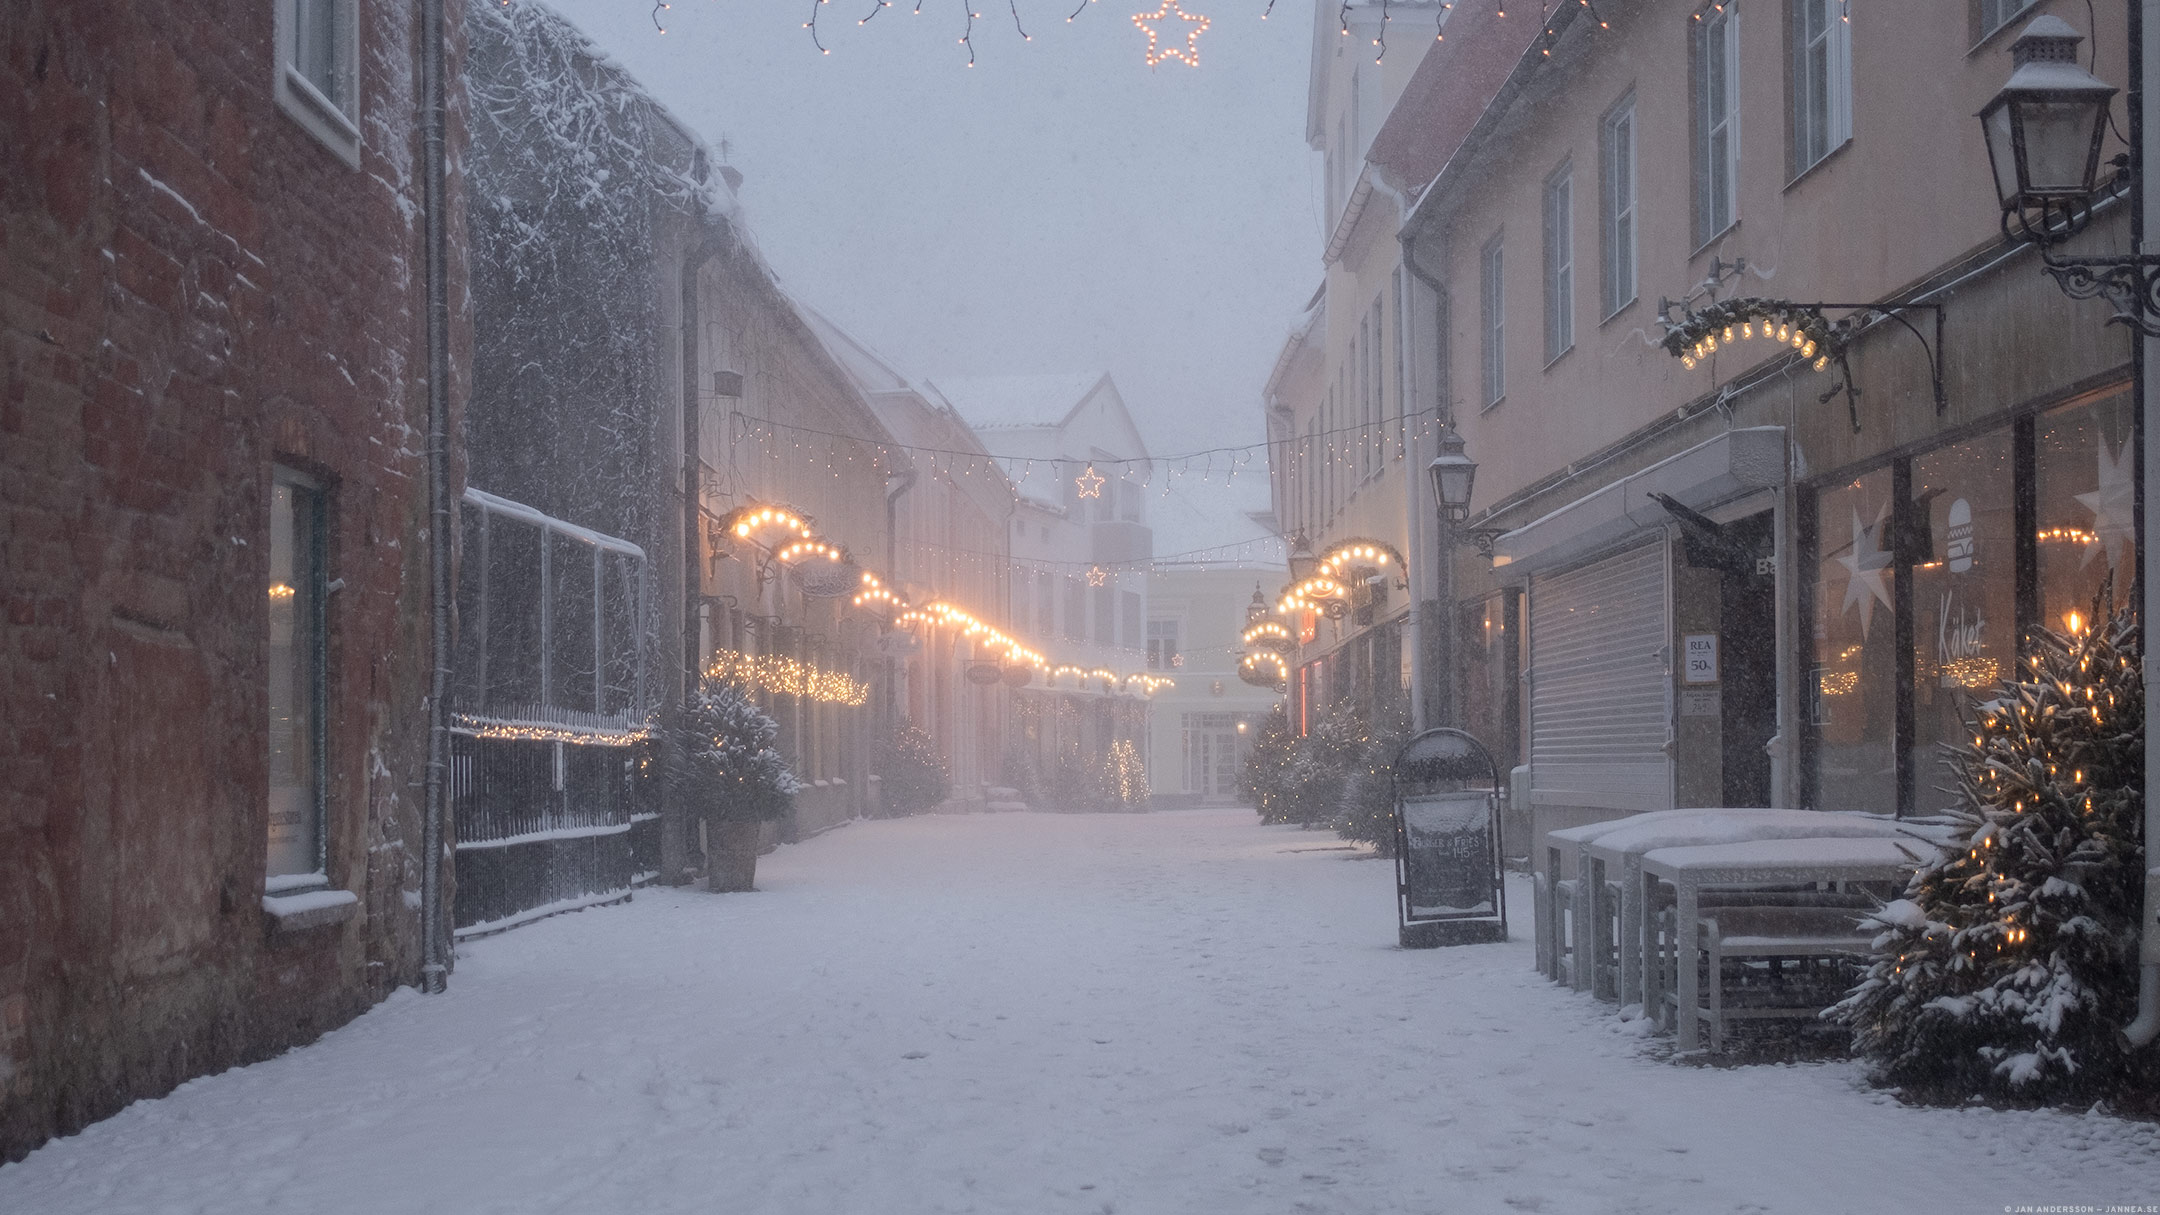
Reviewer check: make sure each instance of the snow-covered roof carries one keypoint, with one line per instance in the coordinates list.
(870, 370)
(1214, 522)
(993, 402)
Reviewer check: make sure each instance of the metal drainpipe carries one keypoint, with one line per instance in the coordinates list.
(434, 950)
(893, 494)
(693, 548)
(1443, 533)
(2146, 1027)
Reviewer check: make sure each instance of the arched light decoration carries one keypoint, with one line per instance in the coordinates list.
(872, 593)
(1269, 635)
(824, 570)
(1347, 560)
(1318, 593)
(990, 639)
(1698, 335)
(1265, 669)
(767, 526)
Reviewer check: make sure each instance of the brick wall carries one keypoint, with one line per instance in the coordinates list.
(192, 288)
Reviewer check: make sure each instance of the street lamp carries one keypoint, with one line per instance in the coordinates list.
(1301, 558)
(1453, 474)
(2044, 128)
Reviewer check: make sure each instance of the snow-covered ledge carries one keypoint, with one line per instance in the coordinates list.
(304, 909)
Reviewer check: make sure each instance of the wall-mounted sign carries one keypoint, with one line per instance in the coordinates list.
(1699, 652)
(1958, 540)
(983, 674)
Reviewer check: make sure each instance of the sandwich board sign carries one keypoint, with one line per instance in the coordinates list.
(1448, 884)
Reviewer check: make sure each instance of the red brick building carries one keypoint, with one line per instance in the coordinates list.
(212, 382)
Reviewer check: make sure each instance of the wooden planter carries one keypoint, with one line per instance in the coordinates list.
(731, 858)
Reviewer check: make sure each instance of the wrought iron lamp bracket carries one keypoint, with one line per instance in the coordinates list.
(1483, 538)
(2128, 282)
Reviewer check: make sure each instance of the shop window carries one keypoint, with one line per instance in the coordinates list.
(298, 670)
(2085, 463)
(1963, 549)
(1853, 687)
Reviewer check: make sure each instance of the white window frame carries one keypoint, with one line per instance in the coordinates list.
(328, 109)
(1991, 15)
(1492, 334)
(1163, 636)
(1559, 212)
(1821, 73)
(1616, 167)
(309, 644)
(1717, 122)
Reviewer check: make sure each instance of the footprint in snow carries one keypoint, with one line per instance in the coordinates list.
(916, 1054)
(1271, 1155)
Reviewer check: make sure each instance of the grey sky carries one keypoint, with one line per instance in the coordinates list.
(1059, 206)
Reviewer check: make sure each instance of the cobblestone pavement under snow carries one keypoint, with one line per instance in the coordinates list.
(1032, 1014)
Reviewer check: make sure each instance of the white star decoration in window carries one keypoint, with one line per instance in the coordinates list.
(1867, 563)
(2114, 506)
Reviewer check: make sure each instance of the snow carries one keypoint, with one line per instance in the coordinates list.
(313, 900)
(997, 401)
(281, 883)
(1135, 1013)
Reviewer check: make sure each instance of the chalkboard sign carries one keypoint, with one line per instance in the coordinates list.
(1447, 855)
(1447, 842)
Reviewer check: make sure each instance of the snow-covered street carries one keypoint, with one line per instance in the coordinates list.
(1178, 1012)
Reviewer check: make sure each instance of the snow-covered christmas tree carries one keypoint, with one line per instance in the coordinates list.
(2006, 969)
(737, 770)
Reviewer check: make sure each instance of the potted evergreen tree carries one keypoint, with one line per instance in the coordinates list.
(736, 777)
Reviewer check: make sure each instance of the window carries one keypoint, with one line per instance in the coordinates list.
(1076, 607)
(1105, 615)
(1162, 645)
(1492, 338)
(298, 669)
(316, 80)
(1616, 173)
(1717, 121)
(1402, 359)
(1559, 262)
(1375, 394)
(1130, 609)
(1992, 15)
(1821, 81)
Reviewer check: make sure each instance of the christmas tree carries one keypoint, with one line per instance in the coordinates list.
(737, 771)
(1261, 780)
(1367, 810)
(2006, 969)
(911, 773)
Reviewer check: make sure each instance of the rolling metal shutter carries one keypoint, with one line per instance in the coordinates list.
(1601, 684)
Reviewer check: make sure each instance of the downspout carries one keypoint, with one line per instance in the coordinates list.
(434, 951)
(1440, 546)
(893, 493)
(2146, 1027)
(679, 832)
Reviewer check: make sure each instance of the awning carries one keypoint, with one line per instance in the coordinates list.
(1732, 464)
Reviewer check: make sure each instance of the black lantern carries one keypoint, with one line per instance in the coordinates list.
(2044, 128)
(1301, 558)
(1453, 474)
(1257, 610)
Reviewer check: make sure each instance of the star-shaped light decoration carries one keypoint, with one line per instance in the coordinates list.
(1867, 563)
(1156, 51)
(2114, 507)
(1097, 575)
(1090, 484)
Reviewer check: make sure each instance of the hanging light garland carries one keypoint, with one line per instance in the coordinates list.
(779, 675)
(532, 730)
(1698, 333)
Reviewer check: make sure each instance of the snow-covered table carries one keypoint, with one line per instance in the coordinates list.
(1611, 858)
(1762, 862)
(1567, 873)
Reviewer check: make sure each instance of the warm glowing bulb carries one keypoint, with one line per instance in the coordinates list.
(1728, 335)
(1747, 330)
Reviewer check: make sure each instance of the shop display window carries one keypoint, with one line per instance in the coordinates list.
(1853, 688)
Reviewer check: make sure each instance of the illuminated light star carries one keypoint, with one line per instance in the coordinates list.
(2114, 506)
(1096, 576)
(1090, 483)
(1867, 564)
(1156, 52)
